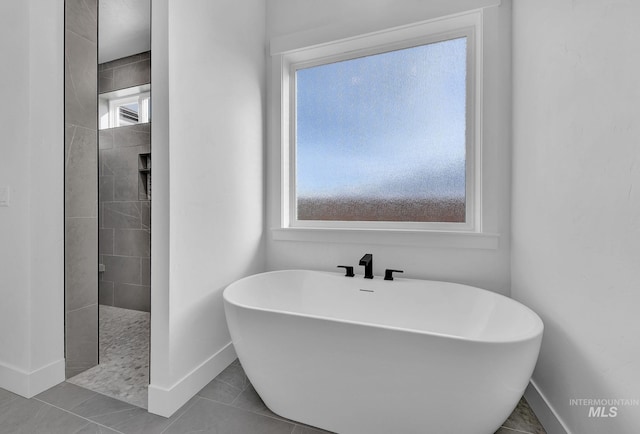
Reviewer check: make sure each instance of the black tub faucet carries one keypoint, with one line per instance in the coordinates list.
(367, 261)
(348, 270)
(388, 273)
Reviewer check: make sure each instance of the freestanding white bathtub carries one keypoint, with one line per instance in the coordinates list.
(360, 356)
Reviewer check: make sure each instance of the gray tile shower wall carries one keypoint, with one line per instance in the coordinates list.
(81, 189)
(125, 226)
(126, 72)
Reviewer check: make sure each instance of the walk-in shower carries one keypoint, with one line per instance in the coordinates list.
(108, 190)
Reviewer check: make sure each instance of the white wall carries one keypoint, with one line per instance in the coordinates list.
(31, 164)
(576, 200)
(207, 213)
(14, 173)
(333, 19)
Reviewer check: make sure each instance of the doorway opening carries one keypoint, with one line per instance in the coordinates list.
(108, 196)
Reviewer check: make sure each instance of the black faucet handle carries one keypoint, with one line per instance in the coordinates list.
(388, 273)
(348, 270)
(366, 259)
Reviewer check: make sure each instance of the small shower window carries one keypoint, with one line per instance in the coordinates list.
(124, 107)
(129, 110)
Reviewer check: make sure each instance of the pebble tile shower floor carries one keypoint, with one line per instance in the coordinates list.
(123, 372)
(227, 405)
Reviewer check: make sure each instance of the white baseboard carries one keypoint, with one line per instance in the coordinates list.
(29, 384)
(547, 416)
(165, 401)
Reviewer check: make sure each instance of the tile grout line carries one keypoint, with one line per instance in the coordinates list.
(133, 407)
(73, 136)
(9, 401)
(279, 418)
(81, 428)
(80, 308)
(93, 16)
(80, 36)
(81, 417)
(515, 430)
(246, 386)
(220, 402)
(183, 413)
(229, 384)
(273, 415)
(236, 398)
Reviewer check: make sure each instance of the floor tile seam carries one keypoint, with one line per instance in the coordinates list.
(232, 403)
(181, 414)
(38, 414)
(133, 407)
(111, 362)
(82, 427)
(249, 411)
(94, 16)
(313, 428)
(126, 256)
(89, 421)
(516, 430)
(81, 402)
(80, 36)
(10, 401)
(37, 418)
(83, 307)
(229, 384)
(220, 402)
(273, 416)
(66, 161)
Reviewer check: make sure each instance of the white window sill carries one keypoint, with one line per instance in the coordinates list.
(456, 240)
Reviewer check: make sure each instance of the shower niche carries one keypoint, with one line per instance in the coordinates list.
(144, 169)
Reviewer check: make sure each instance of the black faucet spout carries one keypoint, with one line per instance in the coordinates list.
(367, 262)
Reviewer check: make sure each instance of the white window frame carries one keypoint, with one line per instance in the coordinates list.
(469, 26)
(143, 104)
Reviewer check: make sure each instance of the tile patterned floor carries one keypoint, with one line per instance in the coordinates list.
(227, 405)
(123, 372)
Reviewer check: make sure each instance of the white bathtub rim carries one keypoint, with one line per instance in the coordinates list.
(526, 337)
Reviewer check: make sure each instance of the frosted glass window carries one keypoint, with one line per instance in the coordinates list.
(383, 137)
